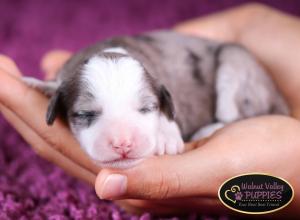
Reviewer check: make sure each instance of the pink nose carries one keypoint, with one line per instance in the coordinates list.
(123, 148)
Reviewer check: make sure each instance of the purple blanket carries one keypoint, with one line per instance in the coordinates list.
(30, 187)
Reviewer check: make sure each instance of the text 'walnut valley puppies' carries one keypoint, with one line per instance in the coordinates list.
(120, 96)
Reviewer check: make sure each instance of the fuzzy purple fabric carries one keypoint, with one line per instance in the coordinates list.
(30, 187)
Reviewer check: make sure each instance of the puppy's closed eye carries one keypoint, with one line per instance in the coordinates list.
(84, 117)
(148, 108)
(85, 114)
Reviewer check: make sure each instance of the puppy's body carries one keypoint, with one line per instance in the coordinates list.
(205, 83)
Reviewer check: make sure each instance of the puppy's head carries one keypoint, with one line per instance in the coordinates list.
(113, 106)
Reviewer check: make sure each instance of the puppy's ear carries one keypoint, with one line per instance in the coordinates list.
(55, 106)
(166, 103)
(50, 89)
(46, 87)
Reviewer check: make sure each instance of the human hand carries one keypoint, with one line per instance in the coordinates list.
(178, 180)
(200, 171)
(204, 200)
(190, 181)
(25, 109)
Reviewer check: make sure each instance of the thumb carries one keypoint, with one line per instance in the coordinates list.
(53, 61)
(194, 173)
(8, 65)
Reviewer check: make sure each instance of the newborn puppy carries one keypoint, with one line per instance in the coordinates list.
(128, 98)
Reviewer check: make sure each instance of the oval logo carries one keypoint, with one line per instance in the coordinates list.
(256, 193)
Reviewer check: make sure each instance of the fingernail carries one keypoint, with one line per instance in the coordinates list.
(115, 185)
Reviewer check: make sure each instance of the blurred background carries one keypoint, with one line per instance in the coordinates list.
(29, 28)
(31, 188)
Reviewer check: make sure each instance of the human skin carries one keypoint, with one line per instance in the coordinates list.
(190, 181)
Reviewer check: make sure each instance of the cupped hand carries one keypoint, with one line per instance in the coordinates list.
(190, 181)
(25, 108)
(181, 183)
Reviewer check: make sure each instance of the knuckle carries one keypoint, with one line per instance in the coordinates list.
(177, 186)
(166, 186)
(163, 189)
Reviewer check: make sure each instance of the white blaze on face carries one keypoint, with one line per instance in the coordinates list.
(116, 50)
(121, 131)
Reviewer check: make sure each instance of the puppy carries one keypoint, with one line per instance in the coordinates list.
(129, 98)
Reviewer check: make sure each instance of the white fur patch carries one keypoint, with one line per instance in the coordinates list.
(114, 82)
(116, 50)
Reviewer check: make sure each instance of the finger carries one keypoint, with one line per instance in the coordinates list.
(212, 27)
(31, 106)
(222, 26)
(46, 151)
(39, 145)
(216, 26)
(165, 177)
(53, 61)
(8, 65)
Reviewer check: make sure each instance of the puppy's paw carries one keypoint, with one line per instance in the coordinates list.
(169, 140)
(169, 145)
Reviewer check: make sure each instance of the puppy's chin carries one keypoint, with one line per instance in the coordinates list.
(122, 163)
(107, 158)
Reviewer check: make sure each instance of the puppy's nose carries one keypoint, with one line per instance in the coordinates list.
(122, 147)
